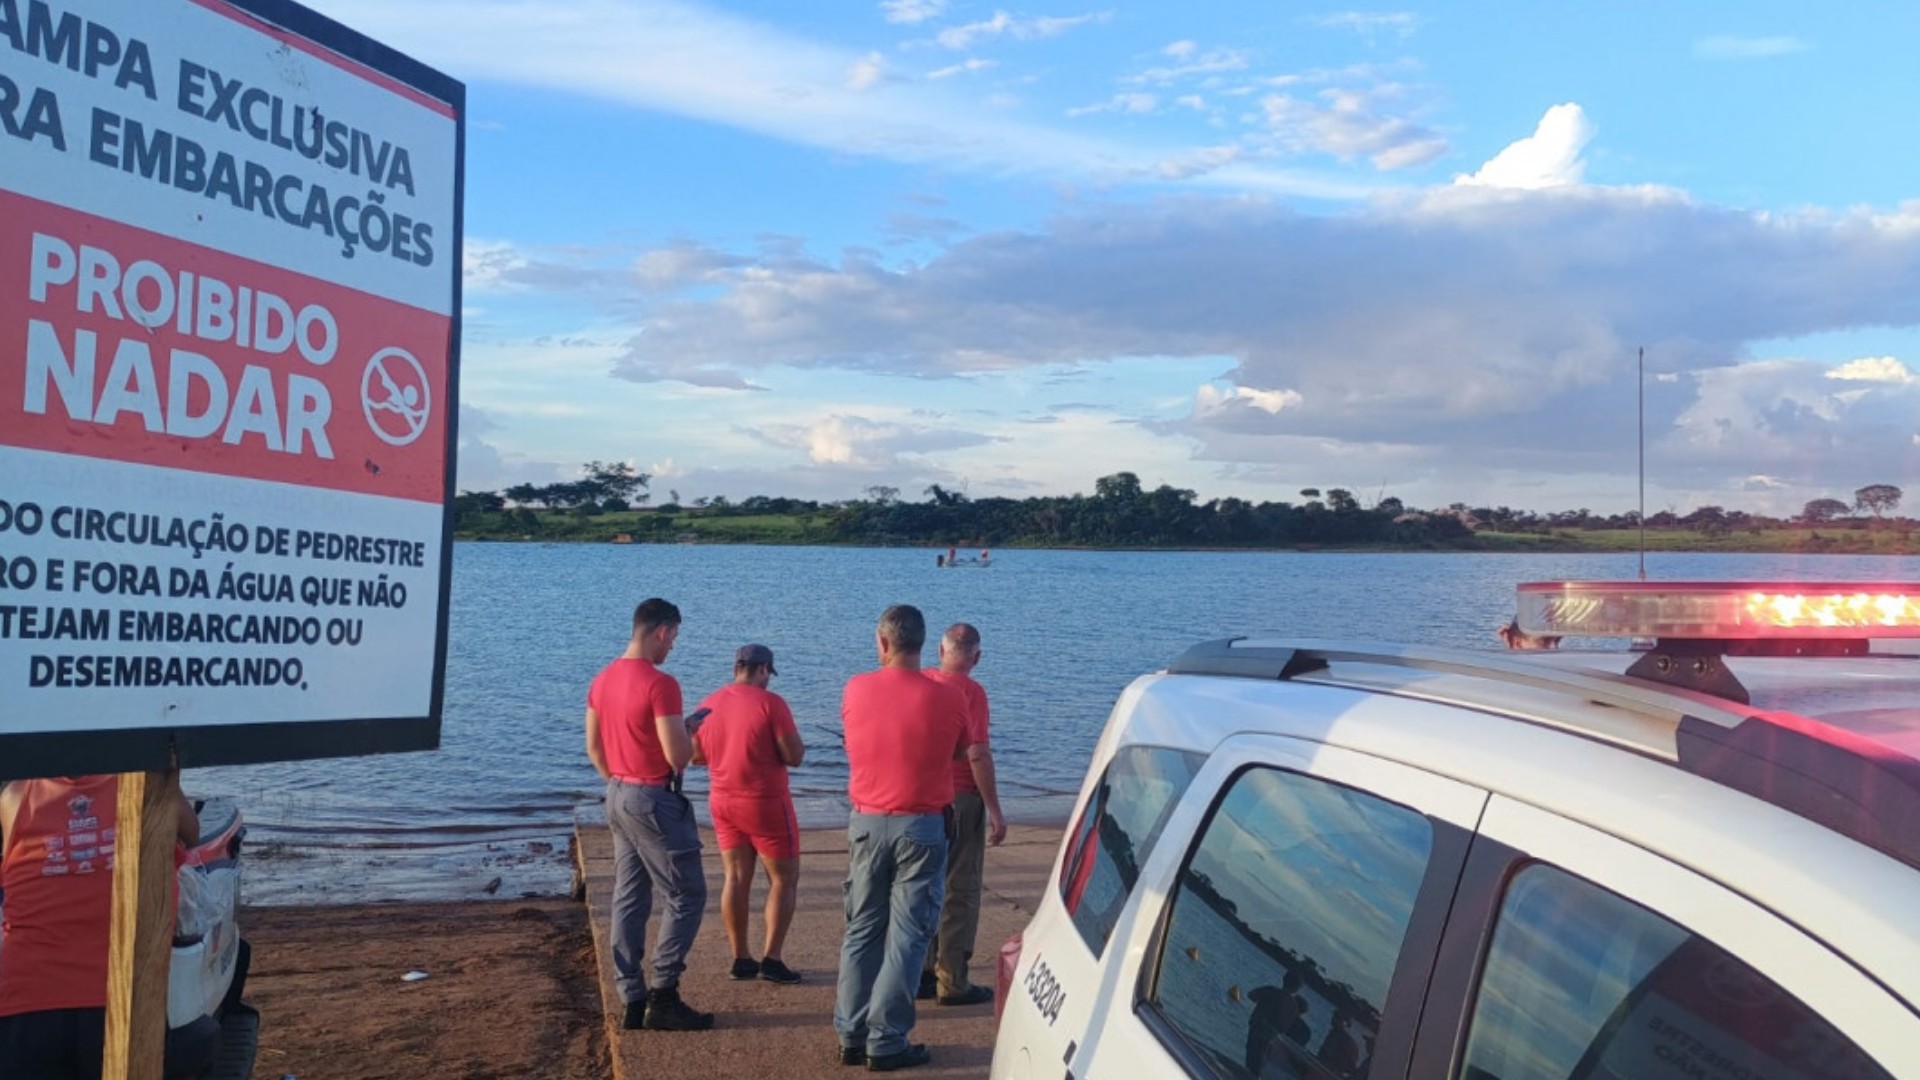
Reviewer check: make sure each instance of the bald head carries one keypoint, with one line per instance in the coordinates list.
(960, 648)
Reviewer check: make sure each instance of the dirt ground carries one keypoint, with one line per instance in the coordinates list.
(510, 991)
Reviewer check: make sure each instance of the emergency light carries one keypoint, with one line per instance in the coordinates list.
(1728, 611)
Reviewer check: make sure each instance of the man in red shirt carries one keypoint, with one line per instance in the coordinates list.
(56, 867)
(903, 733)
(638, 743)
(977, 824)
(747, 742)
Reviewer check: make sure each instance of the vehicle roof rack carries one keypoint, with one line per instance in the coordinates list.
(1847, 782)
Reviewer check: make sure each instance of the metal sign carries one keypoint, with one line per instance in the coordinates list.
(229, 334)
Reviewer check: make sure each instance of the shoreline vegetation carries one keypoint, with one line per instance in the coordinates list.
(604, 507)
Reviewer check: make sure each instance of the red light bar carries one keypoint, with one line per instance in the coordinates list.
(1734, 610)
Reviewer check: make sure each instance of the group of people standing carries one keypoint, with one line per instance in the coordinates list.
(925, 808)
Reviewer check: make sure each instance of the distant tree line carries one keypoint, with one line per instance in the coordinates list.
(1121, 512)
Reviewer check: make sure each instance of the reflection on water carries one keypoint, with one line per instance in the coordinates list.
(1287, 926)
(1064, 631)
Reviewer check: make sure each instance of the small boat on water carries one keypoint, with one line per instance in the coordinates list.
(952, 559)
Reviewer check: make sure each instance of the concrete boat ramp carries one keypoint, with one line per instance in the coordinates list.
(763, 1030)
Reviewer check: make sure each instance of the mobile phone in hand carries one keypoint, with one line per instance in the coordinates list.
(695, 719)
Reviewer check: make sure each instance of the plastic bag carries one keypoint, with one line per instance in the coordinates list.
(207, 898)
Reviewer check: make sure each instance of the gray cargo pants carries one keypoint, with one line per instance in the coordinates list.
(655, 842)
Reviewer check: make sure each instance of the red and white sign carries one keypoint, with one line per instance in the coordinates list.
(229, 261)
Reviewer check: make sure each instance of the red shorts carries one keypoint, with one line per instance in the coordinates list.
(767, 824)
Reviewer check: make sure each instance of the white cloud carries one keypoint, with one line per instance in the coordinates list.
(1127, 104)
(1550, 157)
(967, 66)
(1180, 50)
(1191, 64)
(911, 12)
(867, 72)
(1011, 26)
(690, 60)
(679, 266)
(1210, 400)
(1880, 369)
(1368, 24)
(1199, 162)
(1352, 123)
(1458, 330)
(863, 442)
(484, 466)
(1729, 47)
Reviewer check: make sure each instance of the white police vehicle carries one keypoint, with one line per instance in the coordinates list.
(1334, 861)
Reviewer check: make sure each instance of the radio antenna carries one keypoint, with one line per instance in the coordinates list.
(1643, 463)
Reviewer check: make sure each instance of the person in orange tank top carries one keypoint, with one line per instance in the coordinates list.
(56, 869)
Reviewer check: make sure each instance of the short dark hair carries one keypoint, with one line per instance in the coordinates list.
(652, 614)
(904, 627)
(963, 636)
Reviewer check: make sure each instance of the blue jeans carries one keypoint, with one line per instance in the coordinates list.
(896, 879)
(655, 842)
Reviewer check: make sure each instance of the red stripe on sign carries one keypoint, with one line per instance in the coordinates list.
(120, 343)
(320, 52)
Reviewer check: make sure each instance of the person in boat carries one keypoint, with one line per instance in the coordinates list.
(638, 742)
(57, 839)
(983, 556)
(1516, 638)
(977, 825)
(748, 742)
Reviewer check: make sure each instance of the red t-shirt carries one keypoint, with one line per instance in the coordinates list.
(903, 730)
(977, 722)
(739, 741)
(630, 695)
(57, 870)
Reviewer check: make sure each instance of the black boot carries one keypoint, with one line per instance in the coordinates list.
(666, 1012)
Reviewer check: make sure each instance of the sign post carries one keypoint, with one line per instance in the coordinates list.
(142, 927)
(230, 236)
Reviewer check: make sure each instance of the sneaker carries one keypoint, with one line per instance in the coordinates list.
(774, 970)
(929, 987)
(635, 1016)
(666, 1012)
(852, 1055)
(912, 1057)
(746, 968)
(972, 995)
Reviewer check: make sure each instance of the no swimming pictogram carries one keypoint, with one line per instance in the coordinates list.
(395, 396)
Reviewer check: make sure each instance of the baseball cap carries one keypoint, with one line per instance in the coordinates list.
(754, 654)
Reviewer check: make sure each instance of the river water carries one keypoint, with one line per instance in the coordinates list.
(1063, 632)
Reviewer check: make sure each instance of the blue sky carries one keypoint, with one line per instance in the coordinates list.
(1243, 248)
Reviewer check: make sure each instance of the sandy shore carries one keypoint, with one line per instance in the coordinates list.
(514, 988)
(510, 993)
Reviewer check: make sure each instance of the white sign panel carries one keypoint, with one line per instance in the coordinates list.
(229, 315)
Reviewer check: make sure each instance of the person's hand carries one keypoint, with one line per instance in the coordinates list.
(996, 828)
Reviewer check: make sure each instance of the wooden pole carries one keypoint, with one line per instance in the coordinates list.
(142, 925)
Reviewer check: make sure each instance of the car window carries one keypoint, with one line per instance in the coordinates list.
(1582, 984)
(1286, 925)
(1116, 833)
